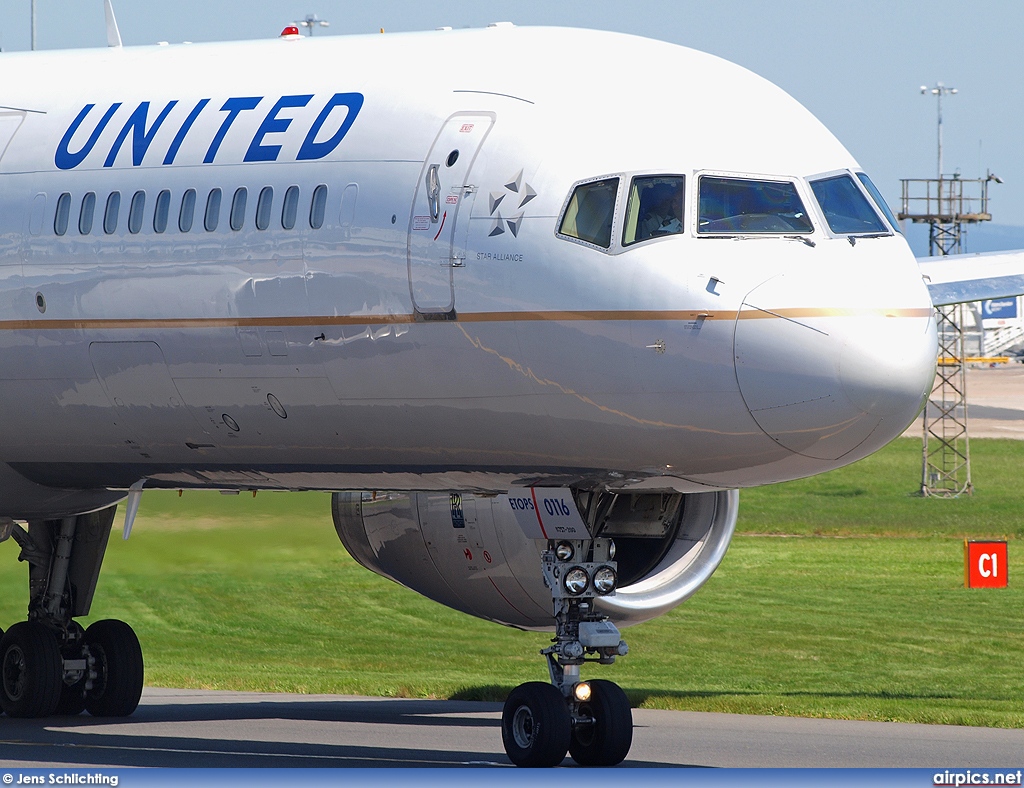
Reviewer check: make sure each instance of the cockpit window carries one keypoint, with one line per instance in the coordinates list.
(743, 206)
(589, 214)
(654, 208)
(876, 195)
(846, 209)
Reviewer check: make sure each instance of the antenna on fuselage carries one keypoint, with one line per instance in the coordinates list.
(113, 34)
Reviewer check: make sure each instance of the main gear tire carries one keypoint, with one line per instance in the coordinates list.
(119, 669)
(31, 670)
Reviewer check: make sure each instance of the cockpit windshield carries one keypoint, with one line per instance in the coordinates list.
(730, 206)
(654, 208)
(876, 195)
(846, 209)
(589, 214)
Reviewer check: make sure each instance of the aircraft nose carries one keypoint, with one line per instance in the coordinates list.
(887, 364)
(822, 381)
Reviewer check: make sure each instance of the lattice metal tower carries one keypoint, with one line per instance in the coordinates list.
(946, 205)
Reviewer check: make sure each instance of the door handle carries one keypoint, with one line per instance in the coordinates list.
(434, 192)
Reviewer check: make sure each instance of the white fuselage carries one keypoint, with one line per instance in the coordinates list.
(389, 349)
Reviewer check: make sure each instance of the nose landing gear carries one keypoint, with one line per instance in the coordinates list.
(591, 720)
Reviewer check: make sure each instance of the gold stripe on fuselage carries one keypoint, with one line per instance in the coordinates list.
(80, 324)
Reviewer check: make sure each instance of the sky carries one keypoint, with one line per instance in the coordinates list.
(858, 65)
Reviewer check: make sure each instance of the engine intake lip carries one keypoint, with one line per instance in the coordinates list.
(709, 520)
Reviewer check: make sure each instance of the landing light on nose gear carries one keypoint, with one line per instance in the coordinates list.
(591, 720)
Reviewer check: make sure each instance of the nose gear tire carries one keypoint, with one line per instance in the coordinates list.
(535, 725)
(607, 740)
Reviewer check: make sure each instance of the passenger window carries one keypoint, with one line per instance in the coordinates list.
(188, 210)
(212, 216)
(879, 201)
(290, 208)
(654, 208)
(135, 211)
(264, 206)
(60, 218)
(86, 214)
(111, 211)
(318, 208)
(237, 216)
(589, 214)
(161, 210)
(730, 206)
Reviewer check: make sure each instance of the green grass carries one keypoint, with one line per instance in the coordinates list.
(848, 628)
(879, 496)
(230, 592)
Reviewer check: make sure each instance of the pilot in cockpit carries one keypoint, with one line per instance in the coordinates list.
(664, 216)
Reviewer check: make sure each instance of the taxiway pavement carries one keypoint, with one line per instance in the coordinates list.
(995, 402)
(194, 728)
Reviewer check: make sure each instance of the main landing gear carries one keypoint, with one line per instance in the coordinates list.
(49, 664)
(591, 720)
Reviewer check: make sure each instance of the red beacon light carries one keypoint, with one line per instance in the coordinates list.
(291, 31)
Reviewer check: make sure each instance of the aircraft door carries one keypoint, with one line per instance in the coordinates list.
(10, 122)
(435, 249)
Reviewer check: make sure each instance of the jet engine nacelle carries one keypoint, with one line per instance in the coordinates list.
(468, 552)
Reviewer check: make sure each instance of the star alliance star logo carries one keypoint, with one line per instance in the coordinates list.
(515, 190)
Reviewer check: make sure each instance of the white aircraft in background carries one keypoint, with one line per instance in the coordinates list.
(561, 291)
